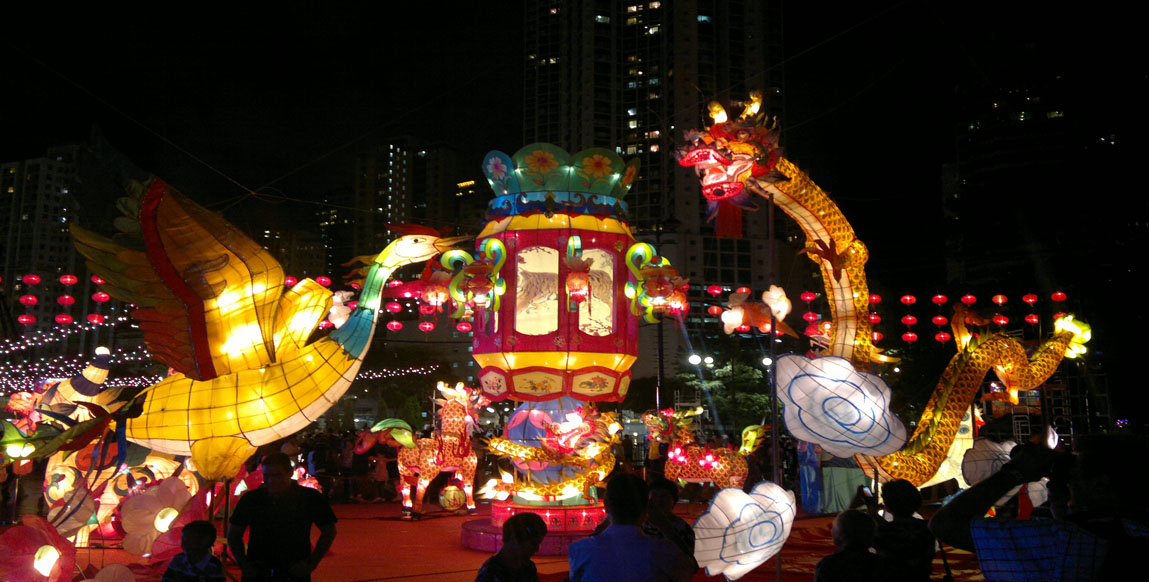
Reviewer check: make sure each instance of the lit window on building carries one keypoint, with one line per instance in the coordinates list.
(602, 19)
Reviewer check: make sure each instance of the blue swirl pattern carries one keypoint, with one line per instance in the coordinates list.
(740, 531)
(830, 403)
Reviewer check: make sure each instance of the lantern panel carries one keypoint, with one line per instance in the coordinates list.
(538, 384)
(596, 315)
(536, 291)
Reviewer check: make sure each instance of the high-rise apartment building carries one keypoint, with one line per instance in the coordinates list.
(383, 193)
(633, 76)
(38, 198)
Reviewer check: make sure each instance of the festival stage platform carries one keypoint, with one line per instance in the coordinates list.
(376, 544)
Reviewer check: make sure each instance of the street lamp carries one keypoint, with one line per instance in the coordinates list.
(694, 359)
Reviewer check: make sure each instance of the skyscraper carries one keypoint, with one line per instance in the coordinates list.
(633, 76)
(39, 200)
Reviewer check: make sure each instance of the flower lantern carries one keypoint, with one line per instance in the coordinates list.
(558, 277)
(35, 552)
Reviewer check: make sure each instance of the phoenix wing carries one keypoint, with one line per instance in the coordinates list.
(205, 294)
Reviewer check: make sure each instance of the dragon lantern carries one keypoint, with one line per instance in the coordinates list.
(736, 158)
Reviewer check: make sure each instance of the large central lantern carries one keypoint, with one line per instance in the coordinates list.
(555, 292)
(558, 277)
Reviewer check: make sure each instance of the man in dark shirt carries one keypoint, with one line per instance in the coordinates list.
(280, 515)
(853, 532)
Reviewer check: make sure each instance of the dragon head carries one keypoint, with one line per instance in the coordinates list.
(728, 154)
(583, 431)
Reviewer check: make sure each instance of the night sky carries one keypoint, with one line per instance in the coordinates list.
(227, 98)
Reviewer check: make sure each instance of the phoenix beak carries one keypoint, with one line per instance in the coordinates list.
(448, 243)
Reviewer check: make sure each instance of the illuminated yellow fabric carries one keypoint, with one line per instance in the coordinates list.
(243, 281)
(555, 221)
(558, 360)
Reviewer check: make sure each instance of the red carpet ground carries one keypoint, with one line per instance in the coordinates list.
(375, 544)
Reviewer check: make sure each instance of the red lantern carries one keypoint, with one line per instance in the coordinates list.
(463, 326)
(968, 299)
(1029, 298)
(394, 307)
(100, 297)
(31, 279)
(29, 300)
(807, 296)
(999, 299)
(97, 280)
(66, 300)
(27, 319)
(68, 279)
(877, 336)
(810, 316)
(939, 299)
(290, 281)
(1058, 296)
(909, 319)
(745, 290)
(942, 337)
(394, 283)
(353, 304)
(909, 337)
(909, 299)
(1059, 315)
(426, 309)
(715, 310)
(394, 325)
(875, 298)
(95, 318)
(1032, 319)
(356, 286)
(1000, 319)
(427, 325)
(714, 290)
(875, 318)
(325, 324)
(940, 320)
(63, 319)
(325, 281)
(742, 329)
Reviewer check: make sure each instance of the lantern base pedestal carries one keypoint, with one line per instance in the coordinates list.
(565, 525)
